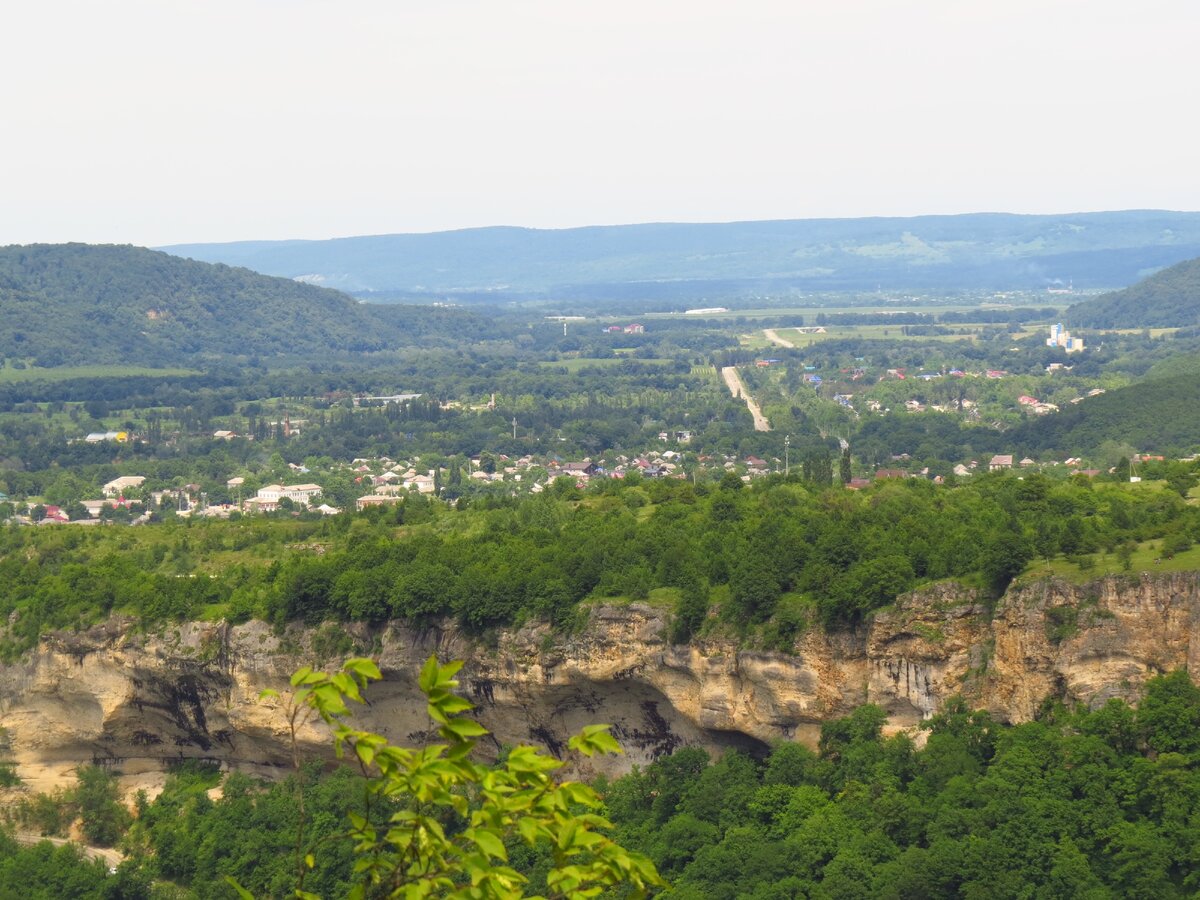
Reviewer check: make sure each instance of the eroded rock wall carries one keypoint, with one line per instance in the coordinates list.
(140, 701)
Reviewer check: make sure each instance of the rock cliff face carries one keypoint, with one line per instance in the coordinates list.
(140, 701)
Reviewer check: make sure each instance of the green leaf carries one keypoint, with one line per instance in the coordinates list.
(490, 844)
(447, 672)
(462, 729)
(530, 829)
(364, 668)
(241, 891)
(429, 675)
(594, 739)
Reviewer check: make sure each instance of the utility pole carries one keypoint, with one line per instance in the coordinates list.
(564, 327)
(787, 463)
(514, 428)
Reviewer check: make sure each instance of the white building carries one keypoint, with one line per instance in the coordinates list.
(297, 493)
(1060, 337)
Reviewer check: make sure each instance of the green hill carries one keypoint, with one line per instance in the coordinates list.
(1167, 299)
(1158, 415)
(74, 304)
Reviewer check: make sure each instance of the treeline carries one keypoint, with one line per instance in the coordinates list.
(769, 560)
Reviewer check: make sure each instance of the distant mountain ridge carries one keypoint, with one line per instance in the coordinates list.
(981, 250)
(1166, 299)
(71, 304)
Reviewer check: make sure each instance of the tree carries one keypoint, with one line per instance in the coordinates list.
(449, 838)
(98, 799)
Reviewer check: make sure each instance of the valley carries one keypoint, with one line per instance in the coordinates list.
(722, 534)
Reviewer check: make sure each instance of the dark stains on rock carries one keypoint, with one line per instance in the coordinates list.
(543, 735)
(182, 697)
(655, 737)
(483, 690)
(142, 738)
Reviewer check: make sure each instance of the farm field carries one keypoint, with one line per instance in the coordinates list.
(578, 363)
(811, 312)
(887, 332)
(9, 375)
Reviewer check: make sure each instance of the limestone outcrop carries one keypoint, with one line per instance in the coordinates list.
(141, 700)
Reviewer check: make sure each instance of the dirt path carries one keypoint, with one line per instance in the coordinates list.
(111, 858)
(770, 335)
(736, 387)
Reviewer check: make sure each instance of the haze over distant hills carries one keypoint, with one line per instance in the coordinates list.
(977, 251)
(1170, 298)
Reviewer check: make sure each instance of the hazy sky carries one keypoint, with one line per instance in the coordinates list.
(161, 121)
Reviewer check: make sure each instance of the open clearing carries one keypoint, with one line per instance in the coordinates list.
(66, 373)
(574, 365)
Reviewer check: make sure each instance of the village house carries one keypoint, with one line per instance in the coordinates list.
(584, 469)
(124, 483)
(1000, 461)
(297, 493)
(54, 515)
(422, 484)
(373, 500)
(94, 507)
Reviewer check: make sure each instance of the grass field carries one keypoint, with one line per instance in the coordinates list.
(811, 312)
(574, 365)
(1142, 560)
(10, 375)
(876, 332)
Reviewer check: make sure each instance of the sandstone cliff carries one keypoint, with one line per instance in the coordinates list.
(141, 700)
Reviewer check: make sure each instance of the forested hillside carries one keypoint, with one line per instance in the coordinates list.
(1158, 414)
(73, 304)
(1167, 299)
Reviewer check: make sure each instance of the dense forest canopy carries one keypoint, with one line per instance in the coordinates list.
(75, 304)
(766, 561)
(1166, 299)
(1098, 804)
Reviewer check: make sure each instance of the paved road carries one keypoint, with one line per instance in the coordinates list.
(111, 858)
(770, 335)
(736, 387)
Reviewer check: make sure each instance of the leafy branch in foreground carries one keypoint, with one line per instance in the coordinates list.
(448, 836)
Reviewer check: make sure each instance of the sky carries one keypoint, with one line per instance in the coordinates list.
(168, 121)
